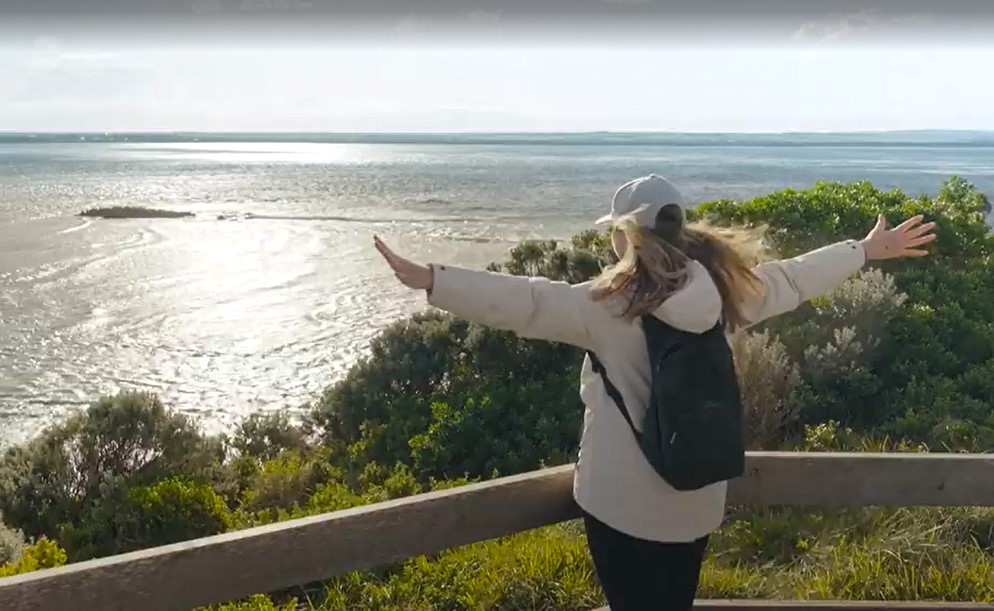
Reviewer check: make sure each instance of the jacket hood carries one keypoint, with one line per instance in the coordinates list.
(696, 307)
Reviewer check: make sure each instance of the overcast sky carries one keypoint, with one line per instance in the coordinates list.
(618, 65)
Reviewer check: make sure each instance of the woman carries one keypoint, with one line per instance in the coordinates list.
(646, 539)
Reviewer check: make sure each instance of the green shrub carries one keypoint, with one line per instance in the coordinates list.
(432, 383)
(11, 544)
(907, 368)
(546, 569)
(265, 435)
(123, 441)
(502, 429)
(327, 498)
(387, 400)
(588, 253)
(258, 602)
(286, 480)
(801, 220)
(169, 511)
(333, 496)
(768, 380)
(384, 399)
(43, 554)
(837, 341)
(383, 484)
(833, 437)
(296, 484)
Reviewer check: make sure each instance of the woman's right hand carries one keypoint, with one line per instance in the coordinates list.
(901, 241)
(412, 275)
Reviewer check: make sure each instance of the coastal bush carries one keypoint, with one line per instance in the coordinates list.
(498, 429)
(860, 307)
(545, 569)
(801, 220)
(833, 437)
(434, 359)
(168, 511)
(381, 484)
(287, 480)
(586, 255)
(768, 380)
(385, 398)
(258, 602)
(267, 434)
(927, 365)
(119, 442)
(432, 383)
(837, 340)
(11, 544)
(43, 554)
(296, 484)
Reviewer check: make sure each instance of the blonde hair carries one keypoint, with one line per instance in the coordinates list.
(652, 267)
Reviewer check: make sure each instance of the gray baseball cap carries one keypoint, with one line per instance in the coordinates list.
(643, 198)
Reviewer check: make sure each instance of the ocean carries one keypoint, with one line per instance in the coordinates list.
(273, 289)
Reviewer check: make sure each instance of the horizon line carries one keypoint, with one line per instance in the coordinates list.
(497, 132)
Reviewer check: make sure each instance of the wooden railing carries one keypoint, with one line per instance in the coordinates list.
(269, 558)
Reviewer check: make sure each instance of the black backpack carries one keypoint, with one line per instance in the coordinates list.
(692, 430)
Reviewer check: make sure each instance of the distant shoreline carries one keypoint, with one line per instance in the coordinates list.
(921, 138)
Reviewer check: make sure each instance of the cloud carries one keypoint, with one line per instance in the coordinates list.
(855, 25)
(87, 56)
(213, 7)
(206, 7)
(47, 43)
(51, 72)
(410, 23)
(52, 54)
(630, 2)
(54, 58)
(481, 16)
(276, 5)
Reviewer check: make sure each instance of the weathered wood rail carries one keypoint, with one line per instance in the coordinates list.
(268, 558)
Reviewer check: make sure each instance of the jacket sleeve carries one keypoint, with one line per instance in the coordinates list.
(790, 282)
(534, 308)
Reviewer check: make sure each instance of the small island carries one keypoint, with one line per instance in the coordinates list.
(130, 212)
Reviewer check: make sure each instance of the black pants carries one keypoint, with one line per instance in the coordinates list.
(640, 575)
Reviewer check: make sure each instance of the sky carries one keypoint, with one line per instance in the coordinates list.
(612, 66)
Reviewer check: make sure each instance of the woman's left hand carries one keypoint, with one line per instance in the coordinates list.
(411, 274)
(901, 241)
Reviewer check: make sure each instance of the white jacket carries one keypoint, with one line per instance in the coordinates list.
(613, 480)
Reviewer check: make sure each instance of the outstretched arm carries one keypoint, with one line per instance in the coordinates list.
(536, 308)
(789, 283)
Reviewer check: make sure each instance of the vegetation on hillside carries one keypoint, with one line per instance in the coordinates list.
(899, 357)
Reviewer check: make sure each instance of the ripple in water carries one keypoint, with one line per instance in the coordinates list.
(225, 318)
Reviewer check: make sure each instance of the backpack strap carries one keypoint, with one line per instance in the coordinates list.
(612, 392)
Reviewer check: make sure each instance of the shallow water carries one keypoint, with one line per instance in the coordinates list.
(224, 317)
